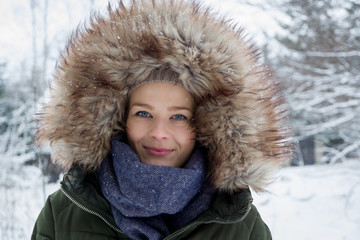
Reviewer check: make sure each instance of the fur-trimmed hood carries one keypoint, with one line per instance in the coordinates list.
(239, 116)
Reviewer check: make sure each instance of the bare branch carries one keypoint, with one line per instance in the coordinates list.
(345, 151)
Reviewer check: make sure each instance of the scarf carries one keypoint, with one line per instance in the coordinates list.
(149, 201)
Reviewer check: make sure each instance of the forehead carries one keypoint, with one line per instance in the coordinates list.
(162, 93)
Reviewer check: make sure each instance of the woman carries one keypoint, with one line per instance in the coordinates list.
(164, 120)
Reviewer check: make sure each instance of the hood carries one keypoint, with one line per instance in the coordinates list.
(239, 116)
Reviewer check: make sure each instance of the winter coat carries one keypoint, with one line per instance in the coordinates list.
(238, 118)
(79, 211)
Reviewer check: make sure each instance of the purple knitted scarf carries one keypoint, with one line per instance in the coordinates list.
(148, 201)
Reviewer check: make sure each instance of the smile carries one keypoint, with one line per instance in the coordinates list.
(160, 152)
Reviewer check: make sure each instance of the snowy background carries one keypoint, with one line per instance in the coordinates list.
(314, 47)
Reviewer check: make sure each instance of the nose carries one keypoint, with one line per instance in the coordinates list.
(159, 130)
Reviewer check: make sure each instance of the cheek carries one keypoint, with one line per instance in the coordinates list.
(133, 133)
(187, 145)
(186, 137)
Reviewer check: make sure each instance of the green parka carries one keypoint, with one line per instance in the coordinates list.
(79, 211)
(238, 117)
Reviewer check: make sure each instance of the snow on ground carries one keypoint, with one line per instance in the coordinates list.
(314, 202)
(21, 199)
(307, 203)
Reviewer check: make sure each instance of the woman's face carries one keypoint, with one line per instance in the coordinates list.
(158, 124)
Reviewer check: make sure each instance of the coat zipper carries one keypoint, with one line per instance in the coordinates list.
(90, 211)
(179, 232)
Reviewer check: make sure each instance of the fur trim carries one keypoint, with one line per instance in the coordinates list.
(240, 113)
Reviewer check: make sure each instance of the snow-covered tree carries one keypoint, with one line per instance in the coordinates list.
(320, 62)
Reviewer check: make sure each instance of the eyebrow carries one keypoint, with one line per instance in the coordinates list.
(141, 105)
(172, 108)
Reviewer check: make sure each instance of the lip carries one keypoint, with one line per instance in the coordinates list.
(159, 152)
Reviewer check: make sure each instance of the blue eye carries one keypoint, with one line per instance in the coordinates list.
(179, 117)
(142, 114)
